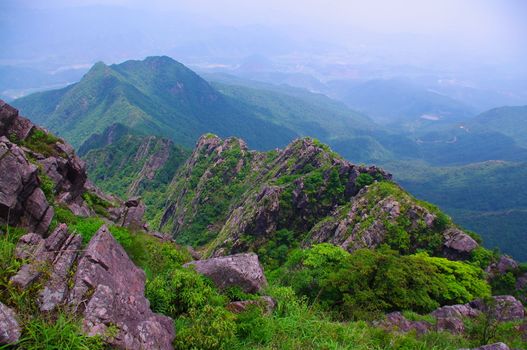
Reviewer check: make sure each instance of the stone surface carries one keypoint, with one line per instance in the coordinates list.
(42, 254)
(455, 311)
(396, 322)
(242, 270)
(118, 298)
(453, 325)
(266, 303)
(458, 245)
(495, 346)
(505, 308)
(22, 202)
(504, 264)
(9, 329)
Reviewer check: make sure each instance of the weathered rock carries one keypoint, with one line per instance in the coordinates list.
(22, 202)
(495, 346)
(458, 245)
(9, 329)
(396, 322)
(56, 288)
(456, 311)
(29, 245)
(42, 253)
(504, 308)
(242, 270)
(266, 303)
(133, 216)
(453, 325)
(118, 297)
(504, 264)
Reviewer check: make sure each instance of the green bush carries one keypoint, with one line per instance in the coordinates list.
(366, 283)
(208, 328)
(178, 291)
(364, 179)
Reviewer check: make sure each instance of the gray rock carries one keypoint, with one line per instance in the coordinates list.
(266, 303)
(9, 328)
(118, 298)
(455, 311)
(495, 346)
(242, 270)
(396, 322)
(505, 308)
(56, 288)
(453, 325)
(458, 245)
(504, 264)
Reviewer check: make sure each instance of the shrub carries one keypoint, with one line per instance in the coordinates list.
(364, 179)
(367, 283)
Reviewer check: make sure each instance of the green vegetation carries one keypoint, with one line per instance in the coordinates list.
(42, 142)
(367, 283)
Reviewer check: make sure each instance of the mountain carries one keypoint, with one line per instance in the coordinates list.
(127, 164)
(157, 96)
(510, 121)
(341, 245)
(485, 197)
(227, 199)
(401, 103)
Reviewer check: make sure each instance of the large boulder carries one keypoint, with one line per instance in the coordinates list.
(9, 328)
(459, 311)
(458, 245)
(109, 291)
(241, 270)
(504, 264)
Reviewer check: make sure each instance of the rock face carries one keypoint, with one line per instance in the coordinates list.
(55, 255)
(9, 328)
(241, 270)
(118, 297)
(21, 181)
(504, 308)
(304, 189)
(458, 245)
(22, 202)
(107, 288)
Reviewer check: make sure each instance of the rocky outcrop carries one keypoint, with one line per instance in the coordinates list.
(108, 290)
(396, 322)
(22, 202)
(9, 329)
(29, 155)
(503, 308)
(53, 255)
(503, 265)
(458, 245)
(239, 270)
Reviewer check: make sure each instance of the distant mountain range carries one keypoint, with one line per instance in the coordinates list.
(161, 97)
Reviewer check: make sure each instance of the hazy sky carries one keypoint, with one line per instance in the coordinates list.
(481, 30)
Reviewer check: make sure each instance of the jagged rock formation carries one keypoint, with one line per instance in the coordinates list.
(127, 164)
(240, 270)
(22, 201)
(9, 328)
(37, 168)
(234, 200)
(118, 297)
(107, 288)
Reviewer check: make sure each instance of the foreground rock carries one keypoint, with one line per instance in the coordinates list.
(9, 328)
(239, 270)
(117, 300)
